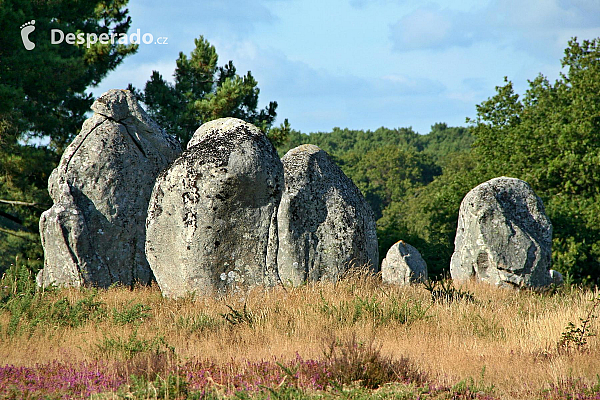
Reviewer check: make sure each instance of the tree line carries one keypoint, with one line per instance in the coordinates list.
(549, 136)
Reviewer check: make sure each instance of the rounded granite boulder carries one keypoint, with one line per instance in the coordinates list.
(211, 224)
(403, 265)
(503, 237)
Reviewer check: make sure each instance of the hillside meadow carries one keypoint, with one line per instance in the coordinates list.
(357, 338)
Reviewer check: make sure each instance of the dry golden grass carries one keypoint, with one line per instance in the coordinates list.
(505, 338)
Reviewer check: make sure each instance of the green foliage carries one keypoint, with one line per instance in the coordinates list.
(387, 174)
(135, 314)
(43, 97)
(204, 91)
(126, 349)
(341, 141)
(43, 90)
(30, 308)
(549, 138)
(372, 311)
(575, 338)
(17, 281)
(63, 312)
(442, 143)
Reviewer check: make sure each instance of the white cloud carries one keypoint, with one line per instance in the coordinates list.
(231, 18)
(275, 72)
(537, 26)
(424, 28)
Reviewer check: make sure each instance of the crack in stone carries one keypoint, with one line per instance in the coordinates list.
(74, 258)
(81, 143)
(135, 142)
(138, 145)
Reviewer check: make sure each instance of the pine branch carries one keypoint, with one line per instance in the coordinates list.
(24, 203)
(8, 232)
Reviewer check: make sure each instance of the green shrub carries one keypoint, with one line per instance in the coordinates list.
(30, 307)
(371, 310)
(119, 348)
(134, 314)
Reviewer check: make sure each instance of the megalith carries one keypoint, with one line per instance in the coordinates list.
(325, 225)
(212, 219)
(503, 237)
(94, 234)
(403, 265)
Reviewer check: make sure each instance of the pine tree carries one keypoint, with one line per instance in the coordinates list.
(43, 101)
(202, 92)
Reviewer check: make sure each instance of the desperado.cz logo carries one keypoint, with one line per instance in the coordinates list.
(26, 29)
(57, 36)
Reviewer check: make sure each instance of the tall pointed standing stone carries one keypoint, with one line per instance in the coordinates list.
(94, 234)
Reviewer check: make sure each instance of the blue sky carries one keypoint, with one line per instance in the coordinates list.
(363, 64)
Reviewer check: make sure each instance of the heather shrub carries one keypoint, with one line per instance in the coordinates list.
(351, 361)
(57, 380)
(572, 388)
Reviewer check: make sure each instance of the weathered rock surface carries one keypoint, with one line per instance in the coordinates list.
(504, 236)
(212, 219)
(94, 234)
(403, 265)
(325, 224)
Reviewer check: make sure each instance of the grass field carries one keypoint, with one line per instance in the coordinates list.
(358, 338)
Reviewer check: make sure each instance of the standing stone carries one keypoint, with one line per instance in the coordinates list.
(212, 219)
(504, 236)
(403, 265)
(94, 234)
(325, 224)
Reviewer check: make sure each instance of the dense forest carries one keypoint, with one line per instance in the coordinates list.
(549, 136)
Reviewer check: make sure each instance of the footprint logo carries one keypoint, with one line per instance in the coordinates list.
(26, 29)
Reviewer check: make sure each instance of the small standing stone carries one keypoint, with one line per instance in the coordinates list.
(403, 265)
